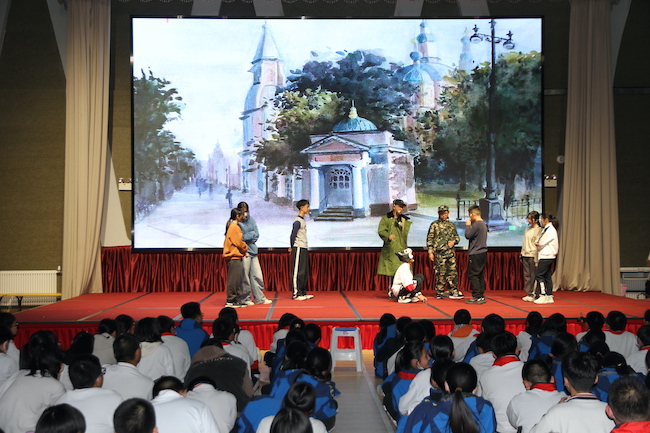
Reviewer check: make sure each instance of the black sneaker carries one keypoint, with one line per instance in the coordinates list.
(442, 295)
(391, 296)
(476, 301)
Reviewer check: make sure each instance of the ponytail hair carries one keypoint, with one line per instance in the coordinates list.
(319, 364)
(296, 354)
(551, 218)
(461, 378)
(234, 213)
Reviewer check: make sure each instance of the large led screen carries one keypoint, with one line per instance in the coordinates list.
(349, 114)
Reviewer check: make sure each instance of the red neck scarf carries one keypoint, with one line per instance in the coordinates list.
(506, 359)
(545, 386)
(406, 375)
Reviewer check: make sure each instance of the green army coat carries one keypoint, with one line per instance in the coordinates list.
(388, 261)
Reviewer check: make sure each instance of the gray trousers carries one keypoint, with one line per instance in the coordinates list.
(529, 274)
(252, 280)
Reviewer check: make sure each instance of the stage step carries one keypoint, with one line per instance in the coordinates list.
(342, 213)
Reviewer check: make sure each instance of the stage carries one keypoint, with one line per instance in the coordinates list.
(328, 309)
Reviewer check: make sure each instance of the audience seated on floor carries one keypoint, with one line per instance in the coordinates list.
(290, 420)
(613, 367)
(582, 411)
(501, 382)
(82, 344)
(387, 331)
(95, 403)
(103, 347)
(225, 329)
(484, 358)
(524, 338)
(8, 365)
(157, 359)
(594, 321)
(413, 331)
(190, 328)
(463, 333)
(135, 415)
(542, 342)
(278, 361)
(629, 406)
(125, 324)
(124, 377)
(176, 413)
(177, 346)
(245, 338)
(637, 359)
(617, 338)
(429, 383)
(526, 409)
(9, 320)
(301, 396)
(61, 418)
(25, 396)
(222, 404)
(492, 324)
(392, 345)
(563, 344)
(457, 410)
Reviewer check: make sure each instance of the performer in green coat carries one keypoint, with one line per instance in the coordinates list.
(394, 231)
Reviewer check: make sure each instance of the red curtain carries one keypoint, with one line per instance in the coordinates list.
(126, 271)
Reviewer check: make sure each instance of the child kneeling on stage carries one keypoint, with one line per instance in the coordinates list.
(406, 287)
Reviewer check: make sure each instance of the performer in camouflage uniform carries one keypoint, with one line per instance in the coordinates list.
(441, 240)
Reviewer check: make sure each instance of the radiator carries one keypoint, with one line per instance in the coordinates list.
(28, 282)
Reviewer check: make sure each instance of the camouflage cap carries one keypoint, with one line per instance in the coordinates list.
(443, 208)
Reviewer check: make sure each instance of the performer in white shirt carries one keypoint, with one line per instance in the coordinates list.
(95, 403)
(124, 377)
(637, 359)
(582, 412)
(406, 287)
(617, 338)
(175, 413)
(547, 248)
(526, 409)
(177, 346)
(501, 382)
(222, 404)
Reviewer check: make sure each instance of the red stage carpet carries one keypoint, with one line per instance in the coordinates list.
(329, 309)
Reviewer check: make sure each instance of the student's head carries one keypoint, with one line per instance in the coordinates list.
(461, 378)
(295, 356)
(595, 320)
(296, 334)
(135, 415)
(413, 332)
(313, 333)
(45, 356)
(319, 363)
(126, 348)
(616, 321)
(462, 317)
(580, 370)
(533, 217)
(401, 323)
(628, 400)
(301, 396)
(192, 310)
(646, 317)
(168, 382)
(5, 337)
(413, 356)
(148, 330)
(230, 313)
(493, 324)
(563, 343)
(546, 218)
(285, 320)
(555, 324)
(243, 206)
(107, 326)
(535, 371)
(166, 324)
(82, 343)
(429, 329)
(442, 347)
(86, 372)
(236, 214)
(125, 324)
(9, 320)
(291, 420)
(301, 204)
(387, 319)
(297, 323)
(643, 335)
(474, 211)
(616, 361)
(439, 372)
(593, 336)
(504, 343)
(61, 418)
(534, 322)
(223, 329)
(598, 349)
(483, 342)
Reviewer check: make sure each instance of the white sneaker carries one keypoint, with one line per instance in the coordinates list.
(403, 300)
(248, 302)
(528, 298)
(414, 299)
(300, 298)
(266, 302)
(550, 299)
(309, 296)
(457, 295)
(543, 299)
